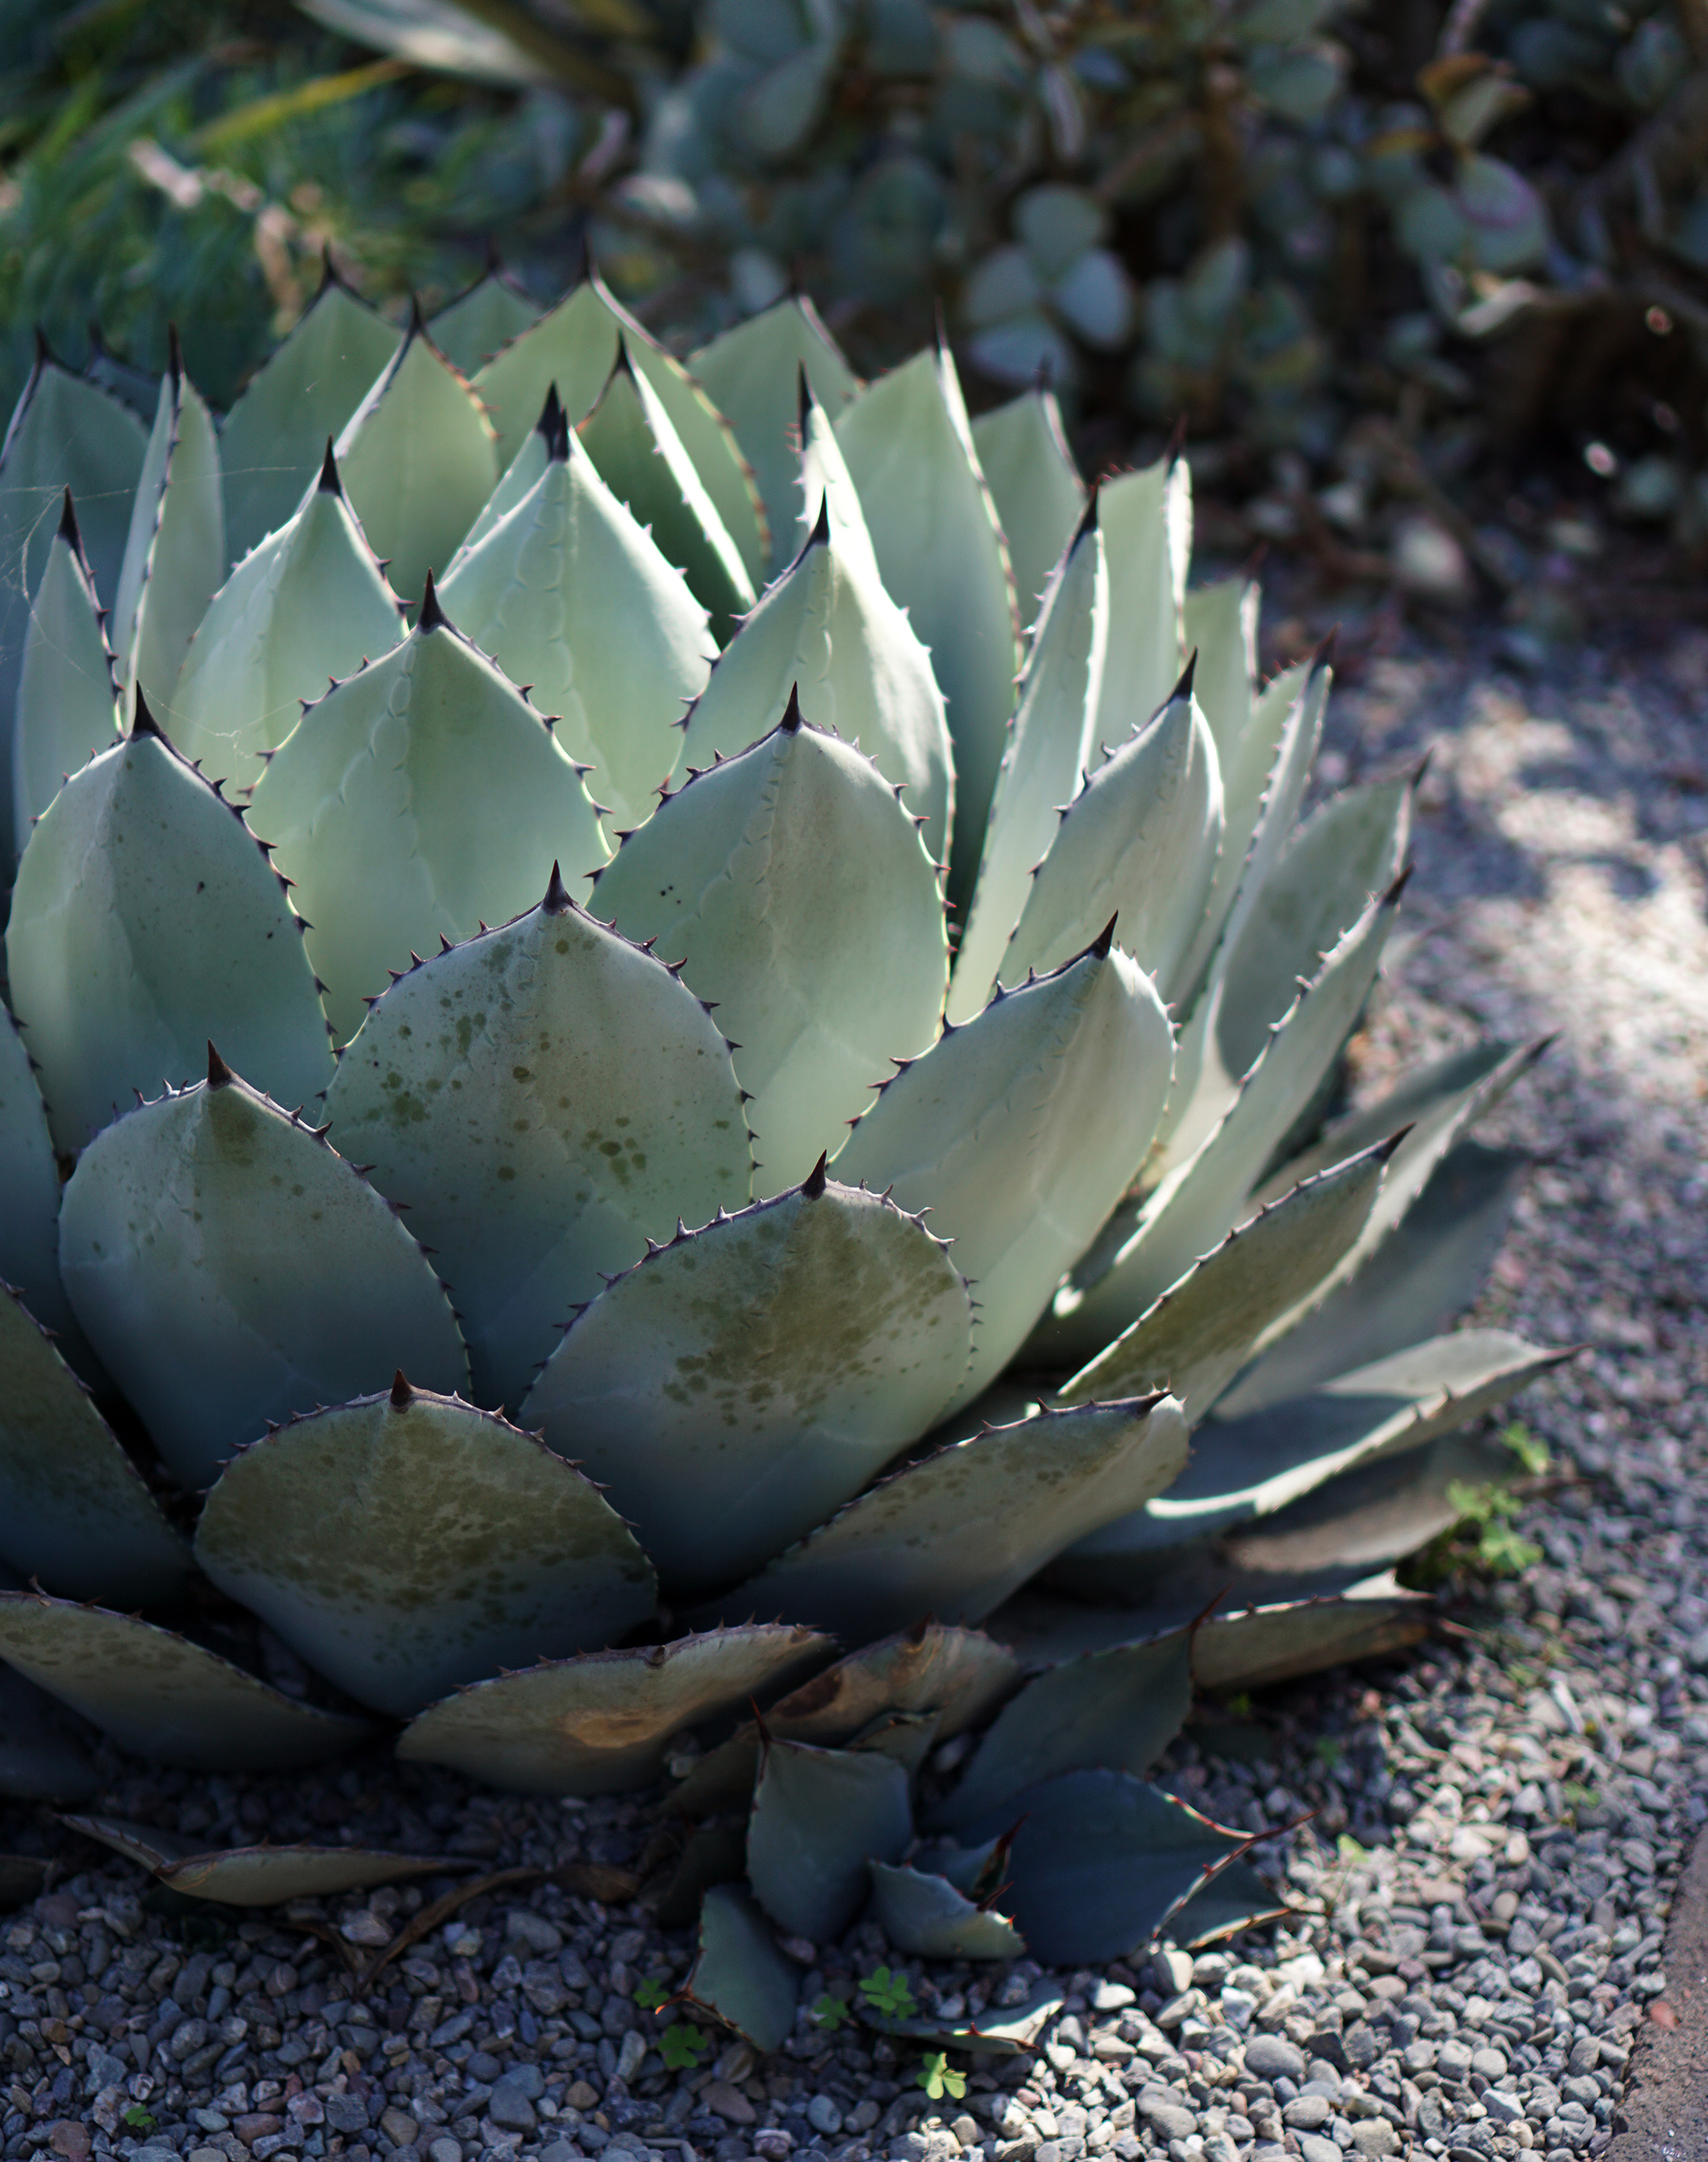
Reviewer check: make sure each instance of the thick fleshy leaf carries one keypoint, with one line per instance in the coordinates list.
(275, 434)
(639, 457)
(751, 374)
(41, 1759)
(29, 1188)
(262, 1876)
(740, 1977)
(469, 329)
(1035, 485)
(74, 1508)
(1418, 1279)
(958, 1674)
(307, 604)
(67, 705)
(741, 1383)
(407, 1543)
(796, 893)
(925, 1917)
(828, 633)
(144, 920)
(232, 1270)
(603, 1724)
(161, 1696)
(1244, 1468)
(1193, 1210)
(1198, 1335)
(1019, 1132)
(1119, 1708)
(1236, 1899)
(521, 476)
(64, 433)
(992, 2033)
(1139, 842)
(419, 798)
(1352, 848)
(175, 552)
(544, 1099)
(570, 597)
(1049, 747)
(418, 458)
(909, 448)
(819, 1817)
(955, 1533)
(1276, 1644)
(1146, 521)
(1102, 1860)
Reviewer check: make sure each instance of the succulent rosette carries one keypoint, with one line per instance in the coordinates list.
(672, 1035)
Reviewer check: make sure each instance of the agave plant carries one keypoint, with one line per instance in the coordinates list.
(705, 1280)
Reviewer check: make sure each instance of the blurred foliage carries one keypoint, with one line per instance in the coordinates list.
(1278, 218)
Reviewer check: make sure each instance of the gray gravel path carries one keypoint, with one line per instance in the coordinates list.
(1498, 1817)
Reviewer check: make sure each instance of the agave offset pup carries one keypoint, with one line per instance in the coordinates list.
(516, 1190)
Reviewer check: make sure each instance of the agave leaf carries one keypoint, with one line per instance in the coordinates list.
(307, 604)
(641, 458)
(1198, 1335)
(955, 1533)
(1146, 520)
(958, 1674)
(64, 433)
(29, 1188)
(1019, 1132)
(305, 391)
(908, 1736)
(1246, 756)
(819, 1817)
(1035, 486)
(144, 918)
(231, 1270)
(1352, 848)
(570, 597)
(469, 329)
(603, 1724)
(751, 374)
(984, 2034)
(1218, 622)
(262, 1876)
(1102, 1860)
(1140, 842)
(41, 1760)
(795, 891)
(573, 346)
(741, 1383)
(73, 1508)
(520, 477)
(420, 797)
(908, 445)
(1235, 1899)
(418, 458)
(827, 633)
(160, 1696)
(1048, 749)
(1275, 1644)
(67, 703)
(1196, 1207)
(1119, 1709)
(367, 1536)
(925, 1917)
(740, 1977)
(544, 1099)
(1243, 1468)
(1419, 1278)
(175, 552)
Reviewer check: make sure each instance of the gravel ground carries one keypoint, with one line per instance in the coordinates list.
(1499, 1815)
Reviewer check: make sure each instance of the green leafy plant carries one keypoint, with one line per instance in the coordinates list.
(138, 2118)
(683, 2046)
(940, 2078)
(1531, 1451)
(652, 1993)
(785, 1242)
(831, 2013)
(1487, 1512)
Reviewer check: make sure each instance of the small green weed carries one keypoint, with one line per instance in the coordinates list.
(683, 2048)
(1533, 1454)
(939, 2078)
(831, 2013)
(888, 1992)
(652, 1993)
(138, 2118)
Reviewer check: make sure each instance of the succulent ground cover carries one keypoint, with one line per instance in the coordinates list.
(695, 1321)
